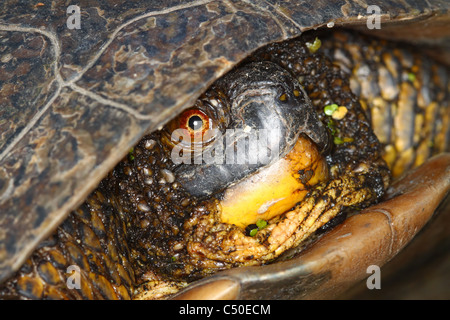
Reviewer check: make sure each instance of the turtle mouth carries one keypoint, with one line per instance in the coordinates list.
(274, 189)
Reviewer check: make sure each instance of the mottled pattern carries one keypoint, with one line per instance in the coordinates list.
(405, 94)
(88, 251)
(21, 97)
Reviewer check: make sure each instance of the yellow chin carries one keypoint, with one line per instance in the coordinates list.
(275, 189)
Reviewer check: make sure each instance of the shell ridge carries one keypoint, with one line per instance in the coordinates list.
(125, 24)
(59, 82)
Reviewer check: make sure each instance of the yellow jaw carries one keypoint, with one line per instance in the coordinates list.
(275, 189)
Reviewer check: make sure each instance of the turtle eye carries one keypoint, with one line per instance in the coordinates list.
(192, 129)
(197, 124)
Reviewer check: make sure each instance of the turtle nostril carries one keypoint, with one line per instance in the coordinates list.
(283, 97)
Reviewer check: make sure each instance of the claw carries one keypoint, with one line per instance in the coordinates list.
(221, 289)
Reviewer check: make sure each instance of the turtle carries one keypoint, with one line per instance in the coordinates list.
(93, 94)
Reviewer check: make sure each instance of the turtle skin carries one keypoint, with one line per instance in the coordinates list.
(139, 229)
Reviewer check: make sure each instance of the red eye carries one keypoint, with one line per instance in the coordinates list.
(196, 122)
(193, 128)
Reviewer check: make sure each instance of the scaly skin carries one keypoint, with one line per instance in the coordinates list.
(141, 231)
(404, 94)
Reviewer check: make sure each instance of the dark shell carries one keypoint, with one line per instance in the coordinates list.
(74, 101)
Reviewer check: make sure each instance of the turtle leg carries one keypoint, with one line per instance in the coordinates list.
(404, 93)
(156, 288)
(86, 258)
(223, 245)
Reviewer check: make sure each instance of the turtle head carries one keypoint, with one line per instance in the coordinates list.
(254, 134)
